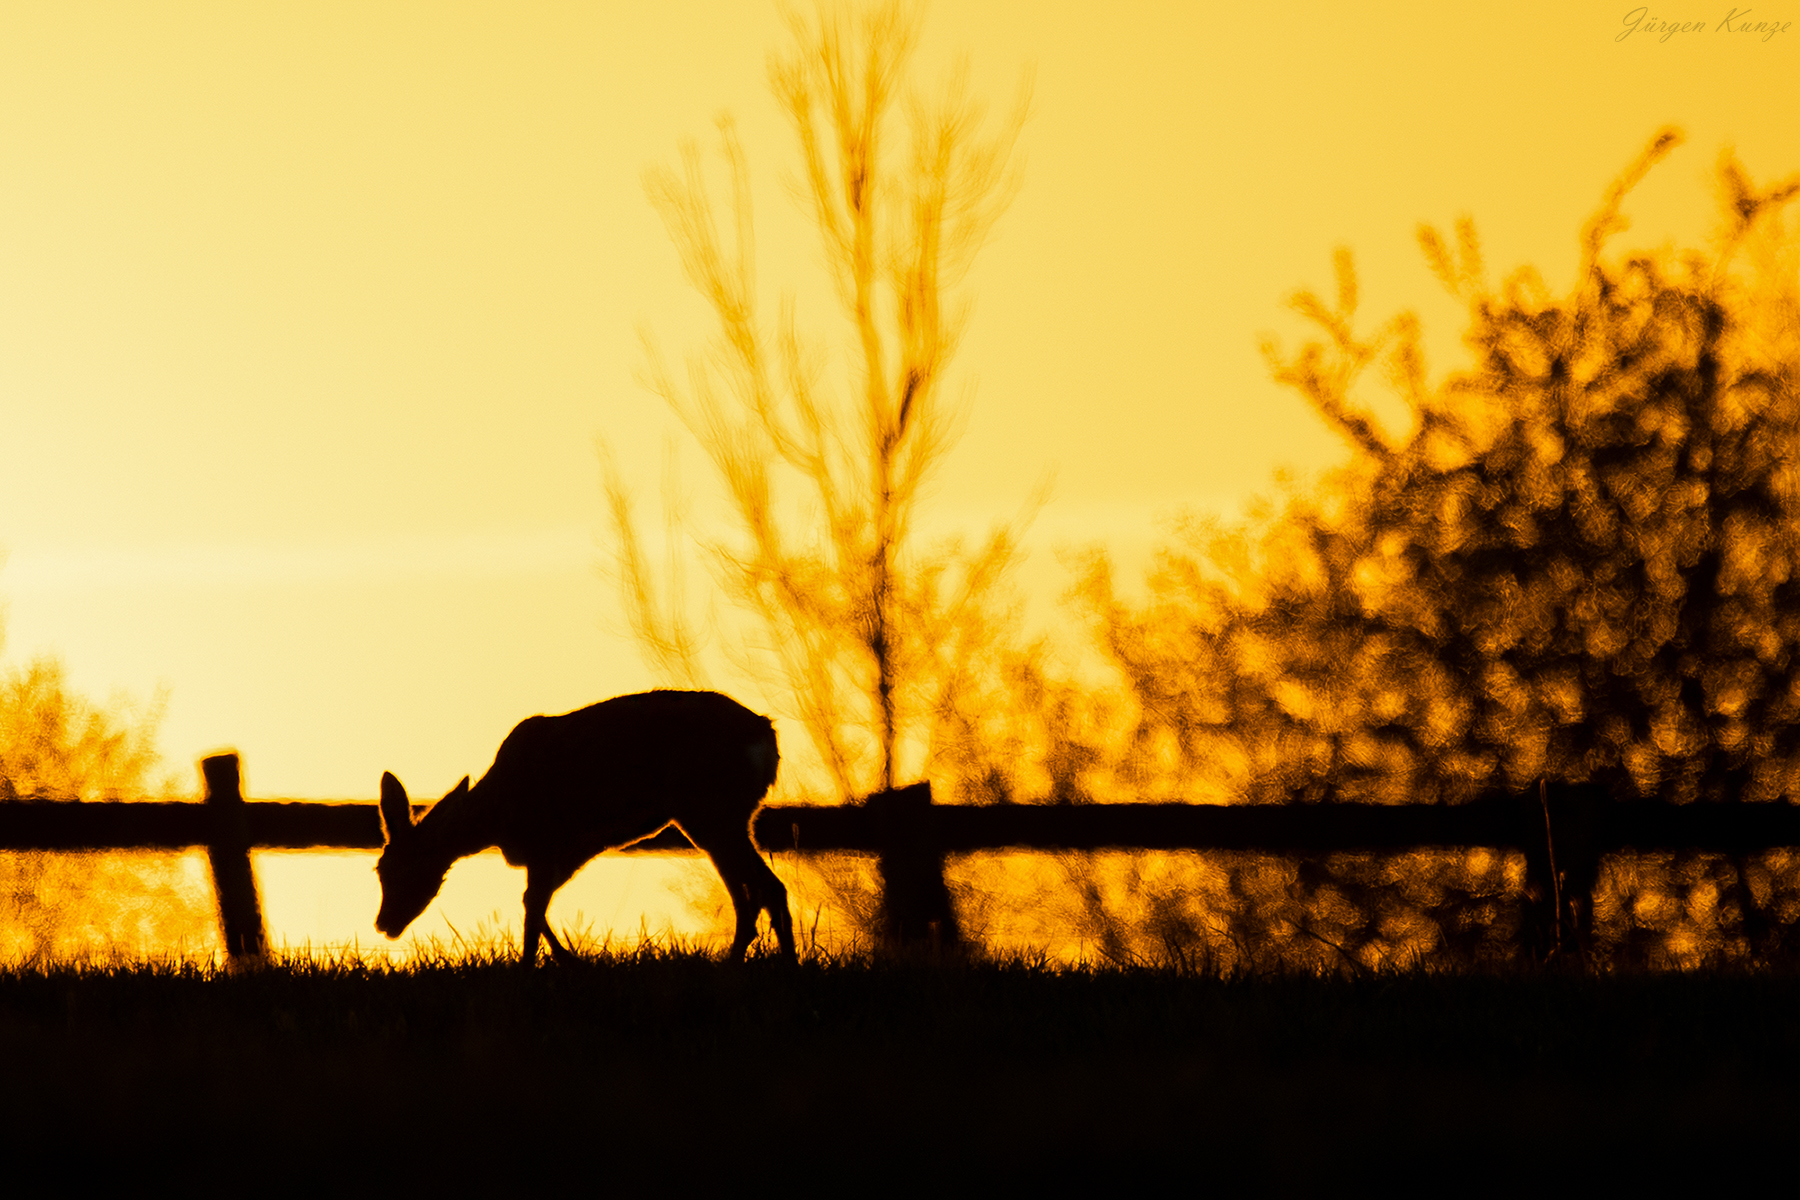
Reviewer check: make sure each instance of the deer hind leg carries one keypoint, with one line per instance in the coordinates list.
(754, 889)
(775, 902)
(540, 885)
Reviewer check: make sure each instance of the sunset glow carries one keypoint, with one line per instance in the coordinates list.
(311, 315)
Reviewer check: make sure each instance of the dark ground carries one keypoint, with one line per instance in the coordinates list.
(857, 1075)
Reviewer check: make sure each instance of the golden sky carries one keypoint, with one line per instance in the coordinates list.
(310, 313)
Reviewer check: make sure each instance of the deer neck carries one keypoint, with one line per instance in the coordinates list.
(455, 828)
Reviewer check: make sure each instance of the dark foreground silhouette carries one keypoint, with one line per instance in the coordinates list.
(652, 1070)
(564, 789)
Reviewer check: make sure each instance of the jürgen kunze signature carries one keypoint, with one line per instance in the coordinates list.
(1738, 20)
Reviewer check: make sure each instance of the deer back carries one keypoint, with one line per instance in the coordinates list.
(620, 770)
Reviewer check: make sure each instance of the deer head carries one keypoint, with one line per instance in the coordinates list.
(411, 867)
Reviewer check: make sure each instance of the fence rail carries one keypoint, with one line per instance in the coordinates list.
(910, 835)
(956, 829)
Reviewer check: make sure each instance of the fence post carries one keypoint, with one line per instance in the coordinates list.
(228, 850)
(915, 905)
(1563, 824)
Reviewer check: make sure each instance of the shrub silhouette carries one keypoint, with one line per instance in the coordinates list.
(1579, 563)
(57, 746)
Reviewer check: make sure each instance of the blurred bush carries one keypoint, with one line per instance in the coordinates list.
(1576, 563)
(58, 747)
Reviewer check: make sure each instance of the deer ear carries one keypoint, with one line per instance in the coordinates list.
(461, 789)
(396, 809)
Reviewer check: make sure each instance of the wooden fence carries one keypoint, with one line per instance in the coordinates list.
(1563, 834)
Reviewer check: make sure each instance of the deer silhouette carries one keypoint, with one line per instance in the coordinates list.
(563, 789)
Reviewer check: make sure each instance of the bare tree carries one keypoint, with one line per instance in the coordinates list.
(882, 648)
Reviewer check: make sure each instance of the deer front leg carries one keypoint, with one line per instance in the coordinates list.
(539, 887)
(535, 927)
